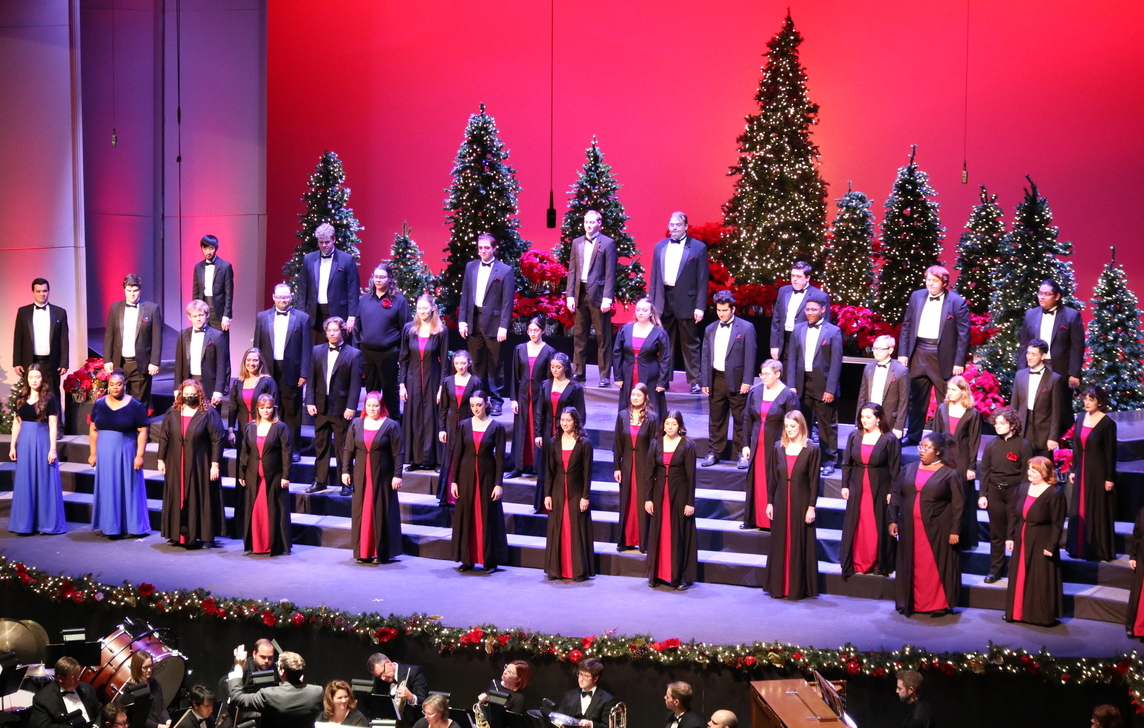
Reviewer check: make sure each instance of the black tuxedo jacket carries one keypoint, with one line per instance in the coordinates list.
(213, 363)
(1066, 350)
(345, 384)
(778, 319)
(601, 270)
(285, 705)
(602, 702)
(48, 706)
(687, 720)
(739, 365)
(222, 297)
(895, 396)
(299, 348)
(953, 330)
(414, 680)
(148, 335)
(24, 348)
(499, 297)
(1043, 422)
(827, 360)
(343, 292)
(690, 284)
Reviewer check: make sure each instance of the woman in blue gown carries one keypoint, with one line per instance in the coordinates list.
(118, 437)
(37, 494)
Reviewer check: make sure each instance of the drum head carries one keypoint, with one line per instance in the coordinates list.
(170, 670)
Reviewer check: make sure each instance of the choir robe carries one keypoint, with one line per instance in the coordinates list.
(578, 477)
(792, 493)
(275, 461)
(421, 372)
(202, 517)
(653, 365)
(772, 431)
(449, 417)
(546, 425)
(625, 459)
(385, 459)
(885, 462)
(238, 417)
(1134, 623)
(478, 471)
(942, 502)
(680, 482)
(966, 445)
(1094, 463)
(524, 388)
(1033, 534)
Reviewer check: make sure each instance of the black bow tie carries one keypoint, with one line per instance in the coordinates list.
(586, 693)
(41, 308)
(325, 256)
(814, 325)
(677, 242)
(209, 262)
(282, 313)
(1036, 373)
(198, 331)
(884, 366)
(723, 325)
(797, 292)
(131, 305)
(486, 265)
(67, 692)
(935, 298)
(335, 348)
(1050, 311)
(590, 241)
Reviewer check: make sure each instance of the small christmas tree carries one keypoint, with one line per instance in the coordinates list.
(777, 214)
(911, 240)
(979, 253)
(849, 273)
(326, 201)
(1030, 254)
(1116, 339)
(482, 199)
(597, 189)
(408, 265)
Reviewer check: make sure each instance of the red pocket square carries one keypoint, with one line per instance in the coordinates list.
(949, 318)
(1063, 328)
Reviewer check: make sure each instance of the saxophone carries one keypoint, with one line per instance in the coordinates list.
(617, 716)
(479, 716)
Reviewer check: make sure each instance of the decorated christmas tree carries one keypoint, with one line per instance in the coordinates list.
(911, 240)
(777, 214)
(1116, 339)
(1029, 254)
(979, 253)
(597, 189)
(849, 273)
(326, 200)
(408, 265)
(482, 199)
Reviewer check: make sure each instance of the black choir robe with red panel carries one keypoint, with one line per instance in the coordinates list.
(478, 521)
(266, 472)
(942, 501)
(630, 461)
(670, 532)
(569, 551)
(238, 416)
(769, 428)
(546, 425)
(372, 470)
(1134, 623)
(792, 564)
(866, 506)
(966, 445)
(1036, 591)
(523, 388)
(192, 502)
(1092, 509)
(450, 414)
(421, 371)
(652, 365)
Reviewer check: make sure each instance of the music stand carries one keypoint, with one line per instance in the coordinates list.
(11, 676)
(518, 720)
(462, 717)
(136, 701)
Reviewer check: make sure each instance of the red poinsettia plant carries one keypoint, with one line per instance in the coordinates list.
(986, 391)
(543, 295)
(87, 383)
(860, 326)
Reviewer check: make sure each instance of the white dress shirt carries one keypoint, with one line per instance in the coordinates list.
(586, 258)
(72, 703)
(812, 334)
(281, 329)
(198, 341)
(586, 700)
(793, 305)
(1049, 325)
(325, 265)
(331, 360)
(208, 279)
(722, 344)
(1035, 377)
(130, 327)
(484, 272)
(671, 260)
(878, 385)
(929, 326)
(41, 331)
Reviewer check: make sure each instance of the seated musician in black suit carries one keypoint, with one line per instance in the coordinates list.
(590, 703)
(58, 700)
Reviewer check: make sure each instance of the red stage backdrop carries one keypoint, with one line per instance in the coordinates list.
(1054, 91)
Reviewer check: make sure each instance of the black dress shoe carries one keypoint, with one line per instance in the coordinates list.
(696, 389)
(604, 383)
(684, 586)
(495, 410)
(580, 378)
(744, 463)
(515, 474)
(579, 579)
(827, 471)
(939, 613)
(709, 460)
(992, 579)
(295, 458)
(491, 569)
(315, 488)
(346, 491)
(465, 567)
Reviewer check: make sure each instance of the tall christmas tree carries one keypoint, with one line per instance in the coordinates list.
(408, 265)
(597, 189)
(911, 240)
(777, 214)
(1116, 339)
(1029, 254)
(849, 273)
(482, 199)
(326, 200)
(979, 253)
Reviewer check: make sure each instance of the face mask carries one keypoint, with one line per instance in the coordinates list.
(191, 401)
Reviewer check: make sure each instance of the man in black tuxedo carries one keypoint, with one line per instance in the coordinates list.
(1061, 326)
(332, 400)
(678, 703)
(213, 283)
(487, 294)
(1038, 399)
(678, 291)
(935, 344)
(886, 382)
(814, 367)
(789, 307)
(140, 351)
(290, 704)
(42, 338)
(590, 703)
(726, 375)
(388, 677)
(328, 284)
(282, 335)
(54, 702)
(199, 354)
(201, 710)
(909, 689)
(590, 291)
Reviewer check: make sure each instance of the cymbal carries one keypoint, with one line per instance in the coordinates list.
(24, 637)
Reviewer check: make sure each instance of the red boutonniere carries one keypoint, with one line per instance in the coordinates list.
(1062, 328)
(1012, 457)
(386, 303)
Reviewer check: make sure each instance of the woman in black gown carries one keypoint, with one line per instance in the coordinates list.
(371, 464)
(636, 427)
(452, 409)
(556, 394)
(766, 406)
(424, 350)
(530, 362)
(478, 469)
(569, 552)
(642, 354)
(669, 498)
(1037, 519)
(190, 449)
(264, 475)
(870, 463)
(1092, 509)
(792, 492)
(957, 418)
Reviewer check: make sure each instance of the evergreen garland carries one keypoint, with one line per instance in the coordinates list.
(979, 253)
(327, 200)
(407, 262)
(1116, 339)
(849, 273)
